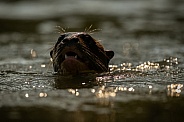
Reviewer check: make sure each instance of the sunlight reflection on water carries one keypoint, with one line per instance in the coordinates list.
(146, 74)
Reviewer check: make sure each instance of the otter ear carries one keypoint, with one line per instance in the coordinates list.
(51, 52)
(109, 53)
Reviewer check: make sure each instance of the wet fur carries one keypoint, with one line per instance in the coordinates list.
(91, 54)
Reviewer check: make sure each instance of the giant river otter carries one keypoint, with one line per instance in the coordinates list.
(78, 52)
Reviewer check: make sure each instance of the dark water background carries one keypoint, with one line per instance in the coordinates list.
(147, 72)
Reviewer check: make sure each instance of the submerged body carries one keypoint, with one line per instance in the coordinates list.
(77, 52)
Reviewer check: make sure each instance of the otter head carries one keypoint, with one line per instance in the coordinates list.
(77, 52)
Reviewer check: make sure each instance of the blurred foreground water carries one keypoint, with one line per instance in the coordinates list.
(145, 82)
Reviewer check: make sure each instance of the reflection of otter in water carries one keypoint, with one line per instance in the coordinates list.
(77, 52)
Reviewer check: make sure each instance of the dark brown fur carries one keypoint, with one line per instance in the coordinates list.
(77, 52)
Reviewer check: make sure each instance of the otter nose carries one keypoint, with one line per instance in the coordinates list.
(74, 40)
(70, 41)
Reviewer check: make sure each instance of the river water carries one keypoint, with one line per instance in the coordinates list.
(146, 77)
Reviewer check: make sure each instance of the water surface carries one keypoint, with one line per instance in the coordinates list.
(145, 82)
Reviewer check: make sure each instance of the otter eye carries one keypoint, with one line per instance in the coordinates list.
(88, 39)
(64, 41)
(60, 39)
